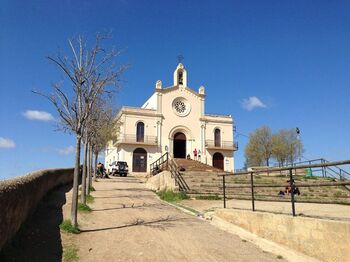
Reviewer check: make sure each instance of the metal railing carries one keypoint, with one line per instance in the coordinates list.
(133, 139)
(221, 145)
(291, 186)
(326, 171)
(175, 173)
(160, 164)
(168, 163)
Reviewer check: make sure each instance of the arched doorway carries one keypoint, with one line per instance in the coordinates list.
(139, 160)
(218, 160)
(179, 145)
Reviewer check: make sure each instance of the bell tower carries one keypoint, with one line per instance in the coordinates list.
(180, 76)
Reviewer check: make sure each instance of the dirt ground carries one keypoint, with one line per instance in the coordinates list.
(325, 211)
(130, 223)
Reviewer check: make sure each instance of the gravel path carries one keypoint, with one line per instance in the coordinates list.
(129, 223)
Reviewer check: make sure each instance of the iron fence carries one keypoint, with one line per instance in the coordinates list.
(292, 186)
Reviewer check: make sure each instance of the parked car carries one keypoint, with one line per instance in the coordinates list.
(119, 168)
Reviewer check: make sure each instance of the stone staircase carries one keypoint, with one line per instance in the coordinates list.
(192, 165)
(203, 182)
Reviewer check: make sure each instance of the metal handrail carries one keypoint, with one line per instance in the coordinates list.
(157, 165)
(274, 169)
(292, 184)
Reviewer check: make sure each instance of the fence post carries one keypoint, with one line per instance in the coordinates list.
(323, 169)
(224, 189)
(291, 183)
(252, 189)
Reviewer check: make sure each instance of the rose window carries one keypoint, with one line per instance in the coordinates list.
(181, 106)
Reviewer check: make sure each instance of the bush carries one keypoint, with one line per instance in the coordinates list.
(84, 208)
(171, 196)
(67, 226)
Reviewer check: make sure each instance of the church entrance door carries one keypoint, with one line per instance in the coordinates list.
(179, 145)
(139, 160)
(218, 160)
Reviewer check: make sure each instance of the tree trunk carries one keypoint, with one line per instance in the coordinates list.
(74, 209)
(83, 183)
(95, 167)
(88, 184)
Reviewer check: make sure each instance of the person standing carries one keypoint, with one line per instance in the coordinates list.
(195, 154)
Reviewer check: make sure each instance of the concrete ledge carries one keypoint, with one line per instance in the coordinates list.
(161, 182)
(326, 240)
(20, 196)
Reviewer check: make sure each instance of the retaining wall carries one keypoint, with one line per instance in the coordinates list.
(20, 196)
(162, 182)
(326, 240)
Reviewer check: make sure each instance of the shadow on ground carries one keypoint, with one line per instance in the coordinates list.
(39, 238)
(160, 223)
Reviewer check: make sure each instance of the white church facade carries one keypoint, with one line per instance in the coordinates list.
(173, 121)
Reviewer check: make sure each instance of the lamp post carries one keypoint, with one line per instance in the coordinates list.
(297, 130)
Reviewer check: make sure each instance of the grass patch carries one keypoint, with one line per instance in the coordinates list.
(84, 208)
(67, 226)
(208, 197)
(70, 254)
(171, 196)
(90, 199)
(92, 189)
(338, 194)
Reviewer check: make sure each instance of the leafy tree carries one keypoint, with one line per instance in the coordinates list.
(284, 146)
(280, 148)
(259, 148)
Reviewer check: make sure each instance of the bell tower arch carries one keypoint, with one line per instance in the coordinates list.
(180, 76)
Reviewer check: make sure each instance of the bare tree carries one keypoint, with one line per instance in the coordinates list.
(91, 73)
(106, 129)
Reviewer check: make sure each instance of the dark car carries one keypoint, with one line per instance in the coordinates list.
(119, 168)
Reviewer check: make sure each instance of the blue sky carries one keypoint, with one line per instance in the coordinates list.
(290, 57)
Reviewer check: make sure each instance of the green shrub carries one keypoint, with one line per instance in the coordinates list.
(67, 226)
(92, 189)
(84, 208)
(171, 196)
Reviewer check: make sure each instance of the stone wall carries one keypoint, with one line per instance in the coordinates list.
(162, 182)
(324, 239)
(20, 196)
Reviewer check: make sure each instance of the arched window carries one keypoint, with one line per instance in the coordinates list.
(140, 132)
(180, 77)
(217, 137)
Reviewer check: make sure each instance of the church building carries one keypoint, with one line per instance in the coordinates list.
(173, 121)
